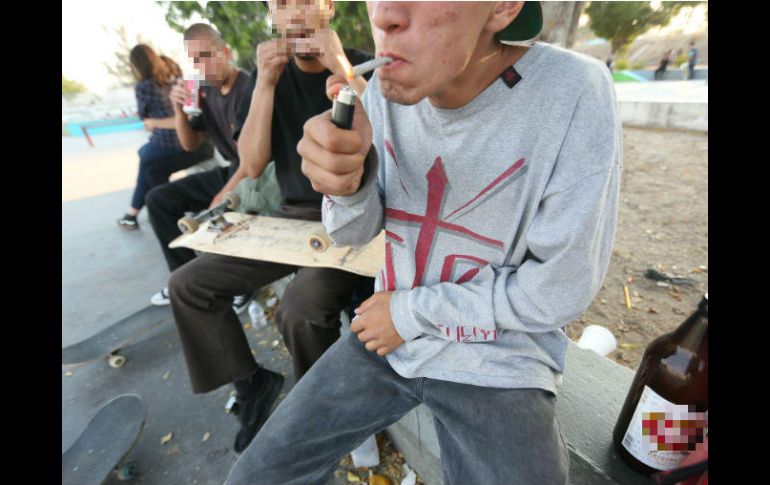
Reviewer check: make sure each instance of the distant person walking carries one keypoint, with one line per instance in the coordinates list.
(664, 62)
(692, 58)
(609, 63)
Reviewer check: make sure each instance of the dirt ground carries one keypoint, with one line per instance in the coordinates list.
(662, 225)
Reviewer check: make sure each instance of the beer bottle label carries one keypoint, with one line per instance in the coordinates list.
(661, 434)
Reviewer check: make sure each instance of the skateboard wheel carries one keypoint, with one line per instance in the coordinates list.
(233, 200)
(116, 361)
(319, 242)
(128, 471)
(187, 225)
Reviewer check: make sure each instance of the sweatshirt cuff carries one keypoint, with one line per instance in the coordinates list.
(402, 317)
(367, 184)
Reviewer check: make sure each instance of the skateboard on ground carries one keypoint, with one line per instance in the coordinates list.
(112, 339)
(104, 444)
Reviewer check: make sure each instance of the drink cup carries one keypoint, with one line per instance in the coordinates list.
(192, 105)
(598, 339)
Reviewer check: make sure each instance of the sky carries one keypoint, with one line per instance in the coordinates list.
(86, 45)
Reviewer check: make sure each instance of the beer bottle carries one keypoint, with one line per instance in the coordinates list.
(666, 411)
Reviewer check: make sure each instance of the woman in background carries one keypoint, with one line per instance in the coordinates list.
(163, 154)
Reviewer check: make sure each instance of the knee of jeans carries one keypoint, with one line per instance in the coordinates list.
(179, 283)
(154, 198)
(295, 314)
(150, 198)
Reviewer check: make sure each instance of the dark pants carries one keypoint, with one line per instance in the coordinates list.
(214, 344)
(487, 436)
(167, 204)
(157, 163)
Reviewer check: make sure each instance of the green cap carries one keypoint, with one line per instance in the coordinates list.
(526, 25)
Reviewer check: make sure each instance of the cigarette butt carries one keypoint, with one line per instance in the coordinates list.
(628, 299)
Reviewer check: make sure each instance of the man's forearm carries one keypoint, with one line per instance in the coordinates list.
(239, 175)
(188, 138)
(254, 143)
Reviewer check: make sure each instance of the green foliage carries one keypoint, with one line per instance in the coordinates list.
(622, 22)
(620, 65)
(70, 88)
(120, 68)
(351, 22)
(243, 25)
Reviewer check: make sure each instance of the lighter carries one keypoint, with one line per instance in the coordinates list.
(344, 108)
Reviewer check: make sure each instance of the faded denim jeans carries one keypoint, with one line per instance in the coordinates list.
(487, 436)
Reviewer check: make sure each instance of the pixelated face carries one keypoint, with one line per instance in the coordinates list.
(210, 59)
(298, 22)
(432, 43)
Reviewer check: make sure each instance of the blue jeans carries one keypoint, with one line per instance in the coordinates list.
(487, 436)
(157, 163)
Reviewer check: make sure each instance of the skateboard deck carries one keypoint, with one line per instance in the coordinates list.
(117, 336)
(287, 241)
(106, 441)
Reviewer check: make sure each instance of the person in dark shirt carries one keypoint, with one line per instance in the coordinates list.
(162, 155)
(287, 88)
(664, 62)
(224, 89)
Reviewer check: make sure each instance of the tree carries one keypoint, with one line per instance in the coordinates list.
(243, 25)
(622, 22)
(560, 22)
(121, 67)
(70, 88)
(351, 22)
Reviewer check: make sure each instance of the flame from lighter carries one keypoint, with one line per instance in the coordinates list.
(344, 105)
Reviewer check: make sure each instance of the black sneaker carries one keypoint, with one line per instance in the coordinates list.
(253, 410)
(128, 223)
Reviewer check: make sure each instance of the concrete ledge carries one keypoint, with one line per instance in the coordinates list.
(671, 115)
(588, 405)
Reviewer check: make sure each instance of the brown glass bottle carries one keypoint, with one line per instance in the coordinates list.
(674, 367)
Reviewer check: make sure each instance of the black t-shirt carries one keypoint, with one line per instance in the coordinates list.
(298, 97)
(218, 116)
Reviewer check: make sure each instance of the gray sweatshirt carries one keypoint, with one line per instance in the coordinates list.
(500, 218)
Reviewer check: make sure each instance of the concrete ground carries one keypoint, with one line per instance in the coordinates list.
(109, 274)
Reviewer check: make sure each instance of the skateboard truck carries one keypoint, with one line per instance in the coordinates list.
(219, 224)
(189, 225)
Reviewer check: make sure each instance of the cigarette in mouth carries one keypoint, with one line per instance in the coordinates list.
(367, 66)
